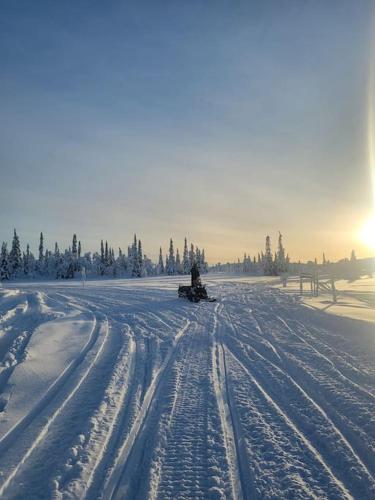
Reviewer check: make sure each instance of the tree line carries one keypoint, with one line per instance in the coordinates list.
(71, 262)
(266, 262)
(278, 263)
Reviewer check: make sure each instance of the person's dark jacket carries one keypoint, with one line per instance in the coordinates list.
(195, 276)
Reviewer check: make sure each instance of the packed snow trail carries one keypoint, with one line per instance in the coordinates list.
(122, 390)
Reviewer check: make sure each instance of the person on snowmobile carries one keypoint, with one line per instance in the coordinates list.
(195, 276)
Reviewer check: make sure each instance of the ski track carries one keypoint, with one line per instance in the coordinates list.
(255, 396)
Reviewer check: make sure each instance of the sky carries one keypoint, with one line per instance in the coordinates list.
(217, 120)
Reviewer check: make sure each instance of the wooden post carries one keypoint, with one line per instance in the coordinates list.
(317, 283)
(300, 285)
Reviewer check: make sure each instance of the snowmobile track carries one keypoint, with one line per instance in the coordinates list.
(114, 487)
(255, 396)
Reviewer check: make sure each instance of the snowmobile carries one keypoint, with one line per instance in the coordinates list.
(196, 291)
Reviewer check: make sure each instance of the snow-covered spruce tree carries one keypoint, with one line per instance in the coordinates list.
(178, 264)
(121, 262)
(267, 262)
(74, 246)
(149, 268)
(79, 258)
(129, 262)
(185, 259)
(68, 264)
(75, 252)
(101, 266)
(41, 254)
(247, 264)
(26, 261)
(44, 268)
(191, 256)
(135, 259)
(87, 262)
(15, 257)
(281, 259)
(112, 267)
(106, 256)
(171, 260)
(166, 267)
(4, 263)
(275, 265)
(56, 258)
(198, 258)
(141, 268)
(50, 264)
(60, 266)
(102, 252)
(96, 263)
(160, 268)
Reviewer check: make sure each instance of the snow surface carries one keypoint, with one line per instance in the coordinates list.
(121, 390)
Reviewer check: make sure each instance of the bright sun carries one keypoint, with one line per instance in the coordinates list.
(367, 234)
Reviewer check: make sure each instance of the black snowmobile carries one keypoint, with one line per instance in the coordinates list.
(196, 291)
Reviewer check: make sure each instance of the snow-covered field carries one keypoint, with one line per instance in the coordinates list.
(122, 390)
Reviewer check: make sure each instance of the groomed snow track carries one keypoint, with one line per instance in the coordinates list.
(255, 396)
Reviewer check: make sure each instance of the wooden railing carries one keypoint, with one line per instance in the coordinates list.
(318, 282)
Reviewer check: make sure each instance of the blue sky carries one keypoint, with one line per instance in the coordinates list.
(223, 121)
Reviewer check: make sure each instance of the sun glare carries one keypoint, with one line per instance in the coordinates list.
(367, 234)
